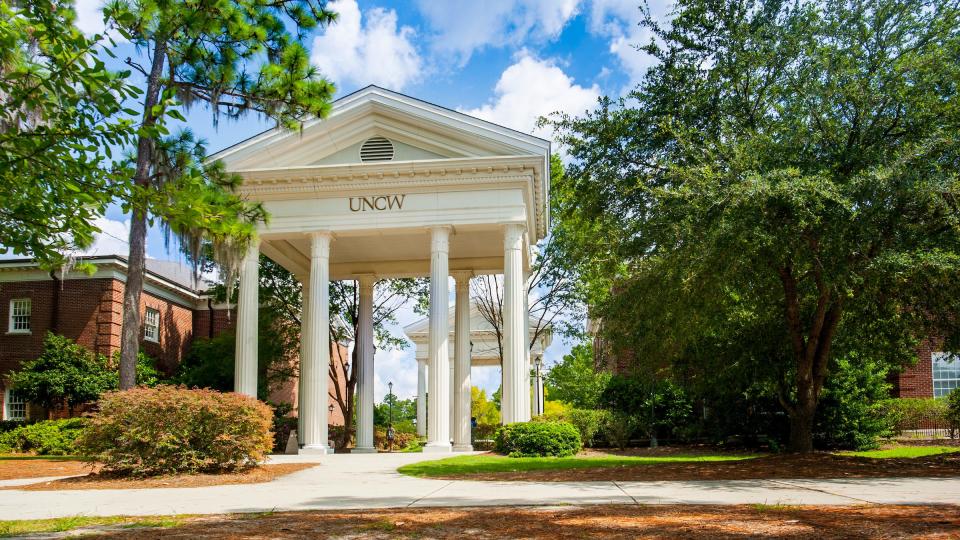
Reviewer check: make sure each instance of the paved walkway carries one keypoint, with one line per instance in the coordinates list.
(371, 481)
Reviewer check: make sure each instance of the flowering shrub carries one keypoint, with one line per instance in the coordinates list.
(169, 429)
(533, 439)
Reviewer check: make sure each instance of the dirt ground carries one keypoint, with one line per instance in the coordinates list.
(36, 468)
(816, 465)
(263, 473)
(621, 521)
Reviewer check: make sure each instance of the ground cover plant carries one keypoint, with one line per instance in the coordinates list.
(170, 430)
(531, 439)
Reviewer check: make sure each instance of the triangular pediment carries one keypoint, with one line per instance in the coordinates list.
(416, 130)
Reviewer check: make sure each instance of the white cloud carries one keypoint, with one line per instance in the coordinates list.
(619, 20)
(367, 48)
(89, 16)
(462, 27)
(112, 238)
(531, 88)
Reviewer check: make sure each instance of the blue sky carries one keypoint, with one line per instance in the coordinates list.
(507, 61)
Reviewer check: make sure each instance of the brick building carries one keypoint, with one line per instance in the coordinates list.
(88, 309)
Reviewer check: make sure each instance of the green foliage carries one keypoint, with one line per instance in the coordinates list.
(46, 438)
(912, 413)
(169, 430)
(619, 429)
(404, 414)
(784, 167)
(61, 114)
(851, 412)
(953, 408)
(590, 423)
(210, 361)
(657, 408)
(65, 374)
(574, 380)
(531, 439)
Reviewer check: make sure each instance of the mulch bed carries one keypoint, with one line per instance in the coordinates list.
(816, 465)
(11, 469)
(256, 475)
(614, 521)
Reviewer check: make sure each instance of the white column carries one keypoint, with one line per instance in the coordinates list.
(514, 342)
(304, 313)
(438, 407)
(462, 362)
(527, 401)
(245, 363)
(314, 367)
(365, 373)
(422, 398)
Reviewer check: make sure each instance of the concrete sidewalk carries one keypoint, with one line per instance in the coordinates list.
(371, 481)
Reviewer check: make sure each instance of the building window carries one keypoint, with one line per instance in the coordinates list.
(14, 406)
(151, 325)
(20, 316)
(946, 373)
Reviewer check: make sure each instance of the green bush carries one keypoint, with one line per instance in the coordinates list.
(47, 438)
(619, 429)
(851, 414)
(911, 413)
(953, 409)
(538, 439)
(661, 409)
(589, 422)
(169, 430)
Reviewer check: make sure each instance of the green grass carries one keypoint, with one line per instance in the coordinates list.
(18, 527)
(904, 452)
(493, 464)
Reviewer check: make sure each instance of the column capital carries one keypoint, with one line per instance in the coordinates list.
(513, 235)
(462, 276)
(440, 238)
(366, 282)
(320, 243)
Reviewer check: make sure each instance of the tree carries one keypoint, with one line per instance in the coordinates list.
(485, 411)
(235, 57)
(552, 300)
(575, 381)
(786, 166)
(59, 108)
(68, 375)
(404, 413)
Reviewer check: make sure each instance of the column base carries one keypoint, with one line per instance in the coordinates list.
(315, 451)
(437, 448)
(463, 448)
(363, 450)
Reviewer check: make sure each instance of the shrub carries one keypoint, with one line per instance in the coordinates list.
(850, 413)
(906, 414)
(537, 439)
(47, 438)
(590, 423)
(660, 408)
(619, 428)
(401, 439)
(169, 430)
(953, 409)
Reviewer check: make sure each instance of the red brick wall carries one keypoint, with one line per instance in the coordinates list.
(90, 312)
(917, 381)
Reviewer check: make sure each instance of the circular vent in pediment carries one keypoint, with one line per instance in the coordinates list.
(376, 149)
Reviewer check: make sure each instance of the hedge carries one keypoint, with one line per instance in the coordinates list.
(169, 430)
(47, 438)
(538, 439)
(591, 423)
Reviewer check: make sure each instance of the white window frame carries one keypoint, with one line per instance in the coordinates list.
(154, 326)
(15, 304)
(8, 396)
(947, 383)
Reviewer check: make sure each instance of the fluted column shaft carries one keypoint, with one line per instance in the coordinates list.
(438, 417)
(422, 398)
(513, 402)
(245, 364)
(462, 363)
(315, 365)
(365, 355)
(304, 313)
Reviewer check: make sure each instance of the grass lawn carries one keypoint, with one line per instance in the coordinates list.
(487, 463)
(21, 457)
(19, 527)
(903, 452)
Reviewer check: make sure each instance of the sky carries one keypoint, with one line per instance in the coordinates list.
(506, 61)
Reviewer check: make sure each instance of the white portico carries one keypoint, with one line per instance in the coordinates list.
(389, 186)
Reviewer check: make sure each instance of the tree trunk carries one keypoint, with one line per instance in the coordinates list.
(136, 260)
(801, 429)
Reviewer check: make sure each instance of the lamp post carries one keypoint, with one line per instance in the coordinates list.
(329, 415)
(390, 432)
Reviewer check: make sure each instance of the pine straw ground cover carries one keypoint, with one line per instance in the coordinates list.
(675, 465)
(24, 466)
(613, 521)
(93, 480)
